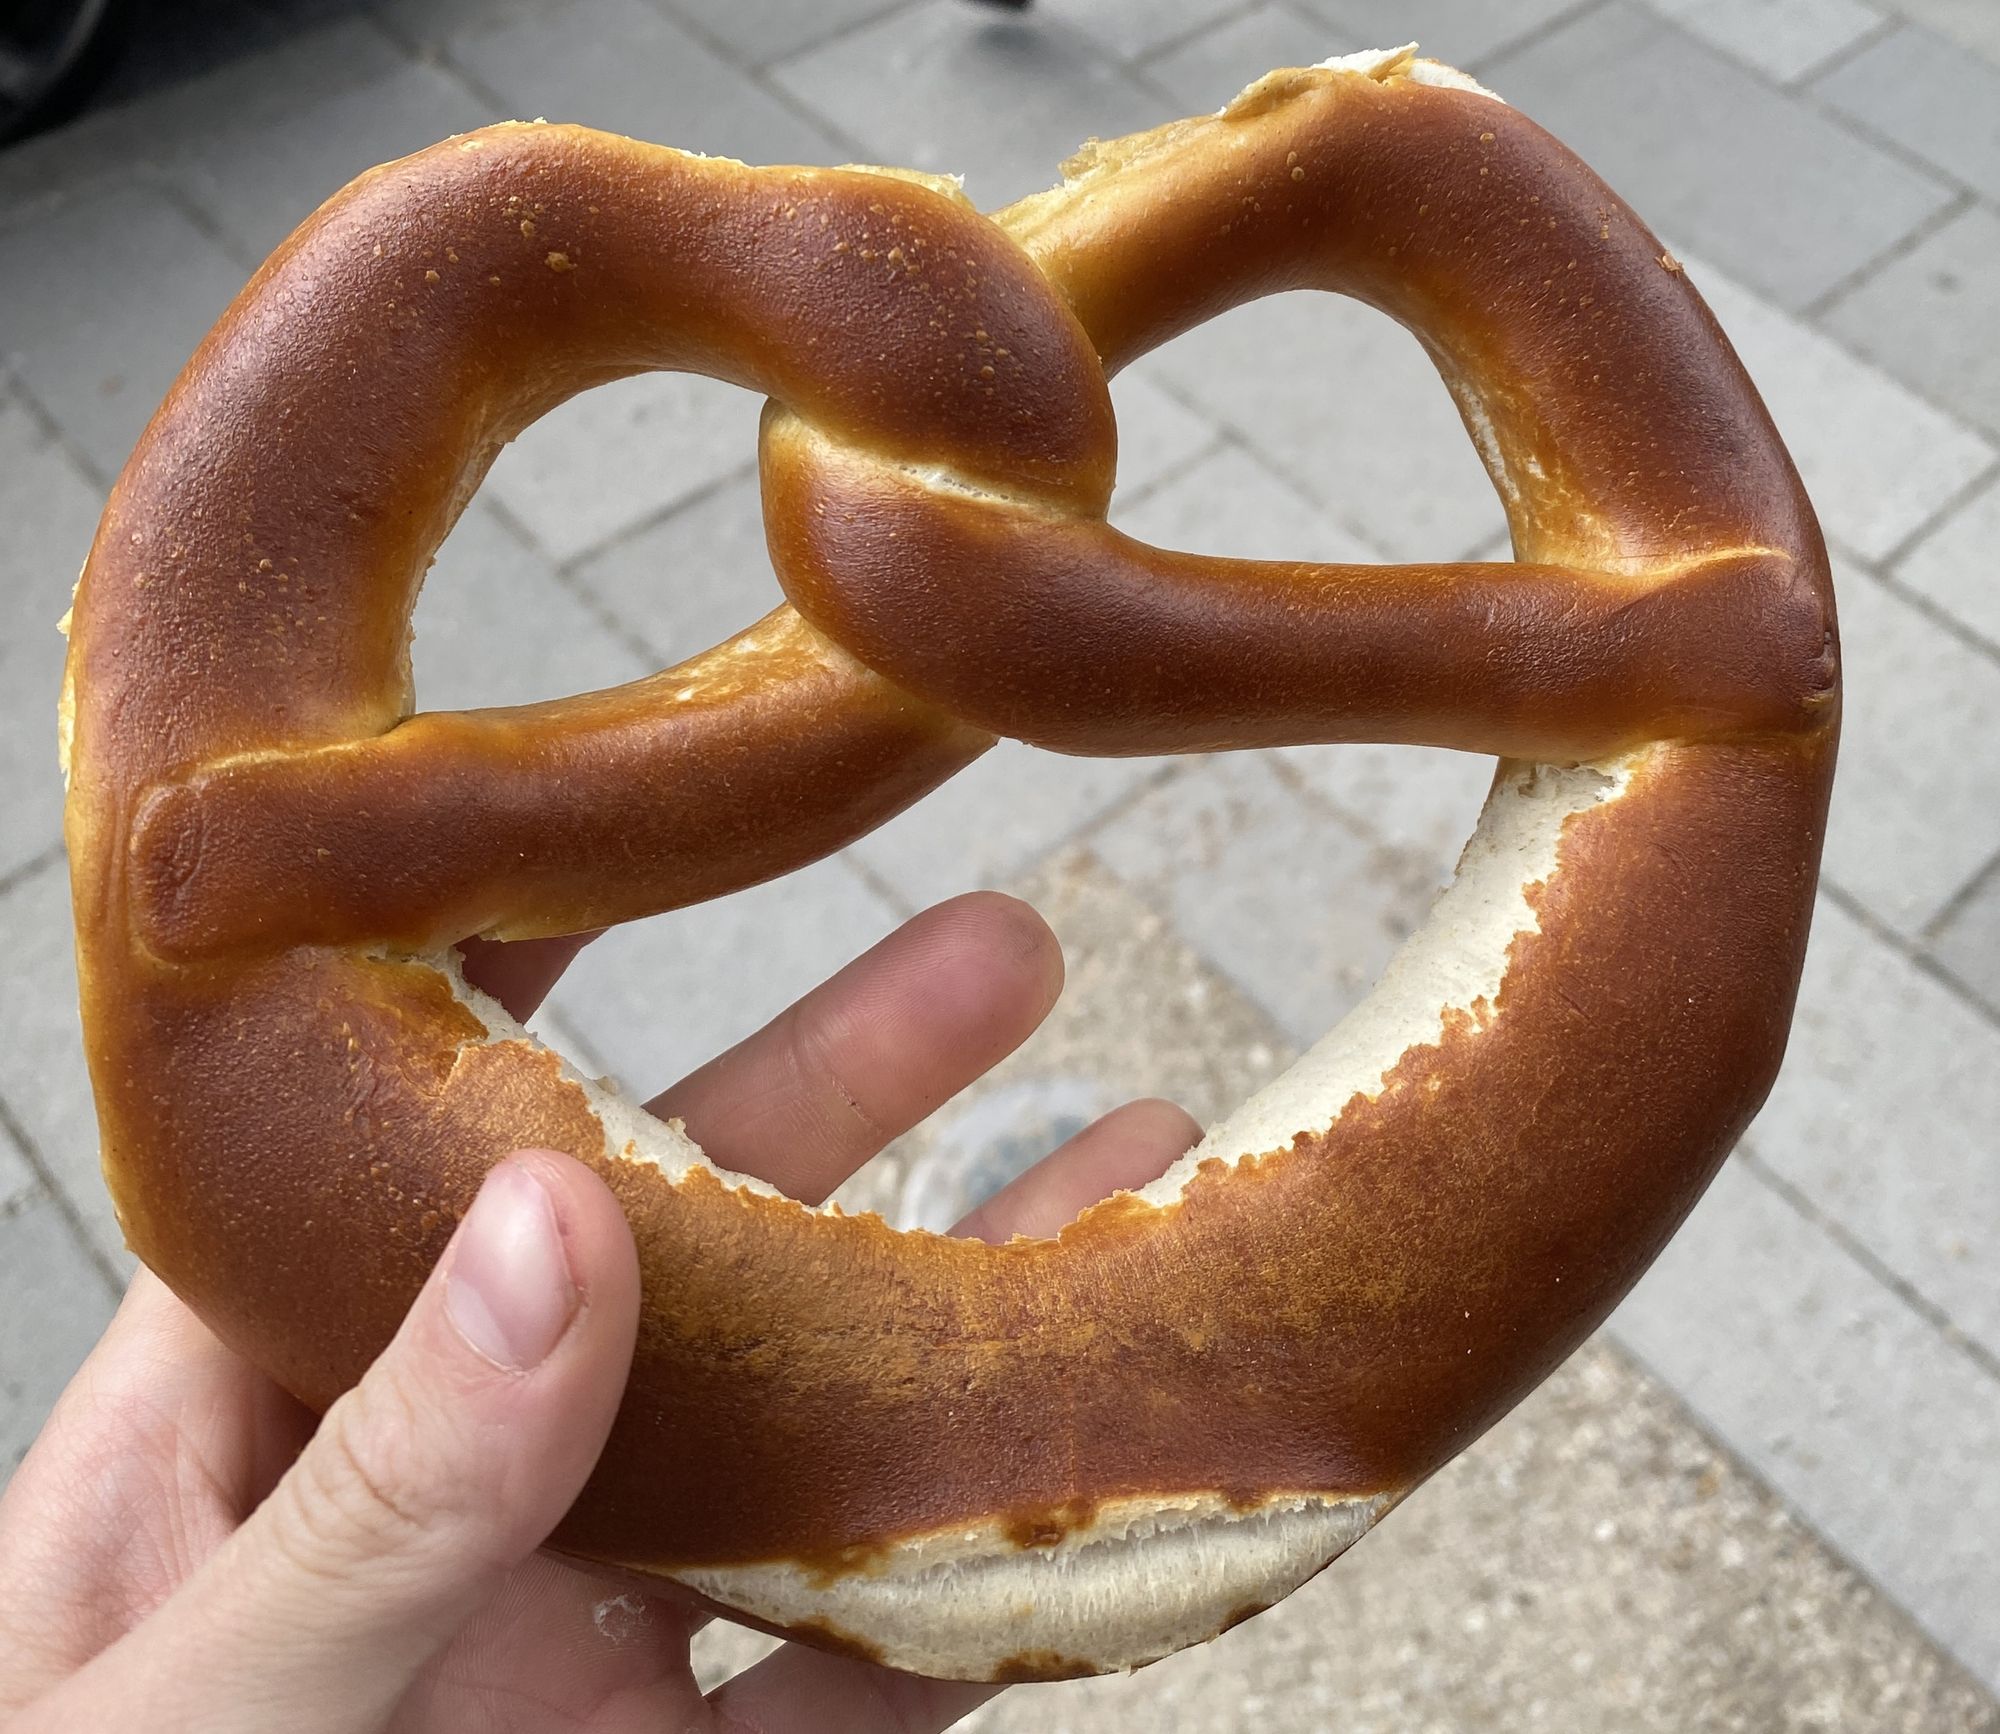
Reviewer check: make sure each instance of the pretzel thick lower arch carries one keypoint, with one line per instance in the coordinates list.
(1053, 1456)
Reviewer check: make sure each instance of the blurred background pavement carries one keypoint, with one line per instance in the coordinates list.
(1767, 1497)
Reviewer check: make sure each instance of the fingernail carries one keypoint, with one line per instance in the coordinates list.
(509, 1289)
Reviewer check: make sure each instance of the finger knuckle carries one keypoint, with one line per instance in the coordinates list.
(355, 1494)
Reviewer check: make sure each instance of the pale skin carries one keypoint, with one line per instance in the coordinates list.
(185, 1548)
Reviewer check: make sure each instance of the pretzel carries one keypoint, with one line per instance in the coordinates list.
(1055, 1456)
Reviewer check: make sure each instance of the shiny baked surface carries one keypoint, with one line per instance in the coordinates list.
(268, 844)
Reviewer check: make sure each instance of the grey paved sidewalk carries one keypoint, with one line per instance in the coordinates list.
(1830, 171)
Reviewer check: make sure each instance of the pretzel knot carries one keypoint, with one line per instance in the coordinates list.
(1058, 1455)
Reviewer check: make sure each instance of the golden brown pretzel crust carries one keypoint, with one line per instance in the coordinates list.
(295, 1110)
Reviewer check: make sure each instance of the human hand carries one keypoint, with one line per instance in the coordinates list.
(185, 1549)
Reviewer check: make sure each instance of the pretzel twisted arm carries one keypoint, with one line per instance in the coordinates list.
(1117, 647)
(744, 763)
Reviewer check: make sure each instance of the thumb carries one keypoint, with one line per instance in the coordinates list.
(446, 1466)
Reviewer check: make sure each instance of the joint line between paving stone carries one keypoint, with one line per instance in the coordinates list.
(876, 882)
(1808, 99)
(1889, 146)
(759, 74)
(1357, 825)
(1911, 953)
(1884, 27)
(646, 524)
(1542, 31)
(439, 56)
(1793, 1508)
(591, 603)
(1827, 300)
(1937, 517)
(57, 435)
(1964, 895)
(1137, 63)
(1100, 821)
(1296, 485)
(184, 201)
(23, 1202)
(811, 45)
(1218, 442)
(64, 1205)
(1969, 637)
(1233, 434)
(27, 870)
(1880, 31)
(1904, 1290)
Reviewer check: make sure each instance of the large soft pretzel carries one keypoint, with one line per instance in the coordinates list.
(1053, 1456)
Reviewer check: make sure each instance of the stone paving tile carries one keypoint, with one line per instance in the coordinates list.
(1957, 566)
(495, 625)
(1132, 28)
(1931, 98)
(50, 509)
(1157, 433)
(42, 1075)
(1458, 32)
(995, 820)
(626, 67)
(271, 147)
(39, 173)
(1783, 39)
(1421, 801)
(1915, 813)
(430, 24)
(1967, 941)
(1299, 908)
(1877, 460)
(1713, 158)
(1884, 1117)
(54, 1303)
(1230, 503)
(1849, 1403)
(117, 136)
(106, 299)
(612, 457)
(1342, 400)
(958, 89)
(698, 576)
(760, 31)
(654, 999)
(17, 1179)
(1929, 316)
(1973, 24)
(1205, 72)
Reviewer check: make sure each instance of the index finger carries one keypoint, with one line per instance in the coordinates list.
(871, 1051)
